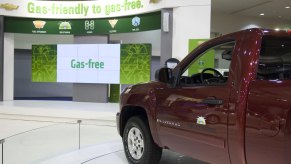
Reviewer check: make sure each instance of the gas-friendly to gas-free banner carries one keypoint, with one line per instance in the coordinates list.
(91, 63)
(88, 9)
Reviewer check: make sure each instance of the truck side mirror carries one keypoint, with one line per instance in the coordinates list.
(163, 75)
(227, 55)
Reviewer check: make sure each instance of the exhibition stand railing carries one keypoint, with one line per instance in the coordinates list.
(41, 144)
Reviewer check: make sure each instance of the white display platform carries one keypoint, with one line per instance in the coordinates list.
(37, 130)
(46, 132)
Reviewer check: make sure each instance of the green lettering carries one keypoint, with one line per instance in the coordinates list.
(86, 9)
(138, 4)
(53, 8)
(82, 65)
(30, 7)
(118, 8)
(78, 65)
(44, 10)
(38, 9)
(112, 8)
(65, 10)
(90, 62)
(107, 9)
(101, 64)
(73, 10)
(61, 9)
(133, 5)
(126, 5)
(72, 63)
(96, 9)
(96, 64)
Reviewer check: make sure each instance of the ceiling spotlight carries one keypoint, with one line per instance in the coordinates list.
(262, 14)
(287, 7)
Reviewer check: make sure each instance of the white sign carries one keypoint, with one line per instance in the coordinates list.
(89, 9)
(88, 63)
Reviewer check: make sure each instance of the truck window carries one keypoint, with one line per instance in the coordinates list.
(275, 59)
(209, 68)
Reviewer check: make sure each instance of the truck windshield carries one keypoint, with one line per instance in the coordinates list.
(275, 59)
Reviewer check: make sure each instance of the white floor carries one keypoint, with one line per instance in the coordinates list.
(112, 152)
(47, 132)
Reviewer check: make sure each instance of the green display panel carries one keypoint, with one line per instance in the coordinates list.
(205, 61)
(135, 63)
(114, 93)
(136, 23)
(44, 63)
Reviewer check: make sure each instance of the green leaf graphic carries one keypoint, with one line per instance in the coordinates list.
(135, 63)
(44, 63)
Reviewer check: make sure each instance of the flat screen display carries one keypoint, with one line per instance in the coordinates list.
(88, 63)
(91, 63)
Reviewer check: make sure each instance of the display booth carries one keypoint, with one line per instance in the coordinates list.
(89, 50)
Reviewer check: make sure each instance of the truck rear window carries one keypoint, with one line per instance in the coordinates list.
(275, 59)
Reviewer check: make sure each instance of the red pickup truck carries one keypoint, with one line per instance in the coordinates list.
(236, 116)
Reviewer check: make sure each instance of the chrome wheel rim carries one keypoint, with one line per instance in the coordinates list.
(135, 143)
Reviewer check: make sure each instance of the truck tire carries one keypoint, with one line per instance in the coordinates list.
(138, 143)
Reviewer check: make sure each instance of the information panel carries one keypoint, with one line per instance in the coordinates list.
(88, 63)
(135, 23)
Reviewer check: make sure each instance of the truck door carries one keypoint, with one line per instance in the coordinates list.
(193, 116)
(268, 124)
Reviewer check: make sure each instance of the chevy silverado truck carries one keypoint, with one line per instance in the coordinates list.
(240, 116)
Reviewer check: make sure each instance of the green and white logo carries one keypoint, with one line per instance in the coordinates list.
(135, 21)
(89, 24)
(113, 22)
(65, 26)
(201, 120)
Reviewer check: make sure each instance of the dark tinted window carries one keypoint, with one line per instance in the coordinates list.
(275, 59)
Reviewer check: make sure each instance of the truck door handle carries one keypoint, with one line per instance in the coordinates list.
(212, 101)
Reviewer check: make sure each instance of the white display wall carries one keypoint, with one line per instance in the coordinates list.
(191, 22)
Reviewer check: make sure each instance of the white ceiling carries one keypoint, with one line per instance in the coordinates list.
(271, 8)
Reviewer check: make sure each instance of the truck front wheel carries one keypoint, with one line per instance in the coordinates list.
(138, 144)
